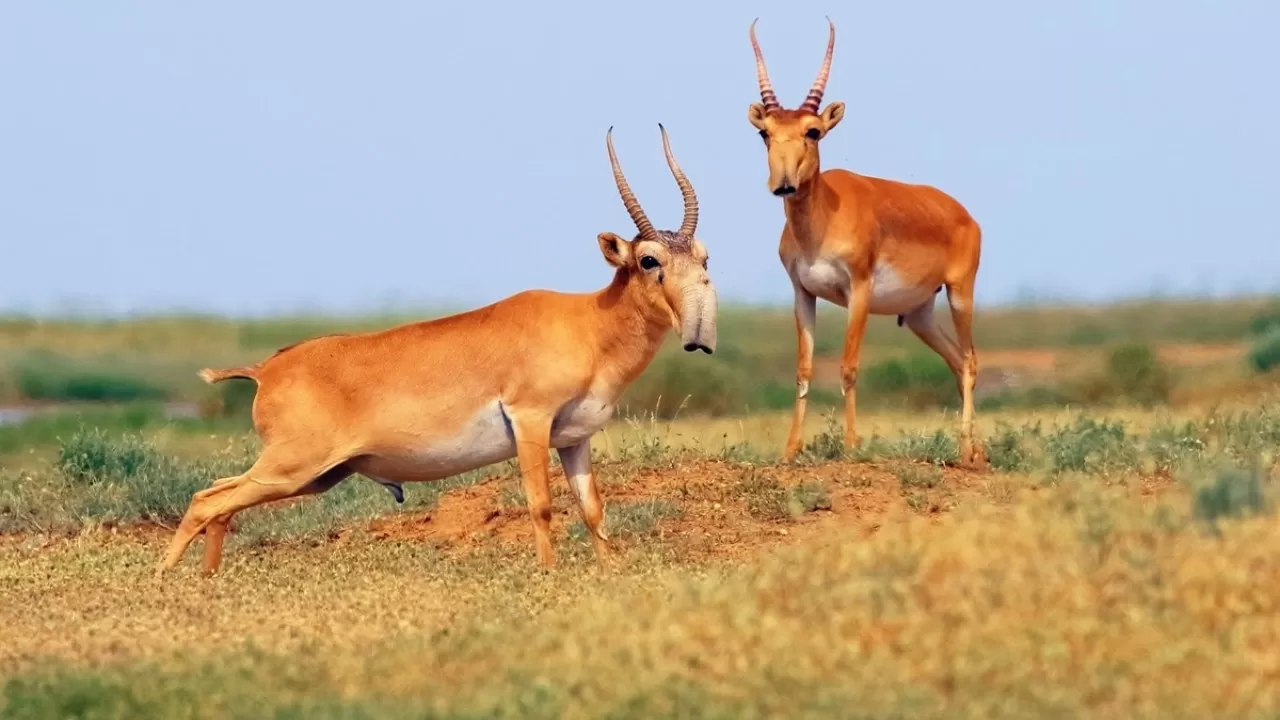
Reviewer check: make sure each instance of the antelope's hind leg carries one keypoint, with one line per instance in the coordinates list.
(211, 509)
(924, 325)
(960, 297)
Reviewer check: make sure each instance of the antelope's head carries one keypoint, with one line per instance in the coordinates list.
(668, 270)
(791, 136)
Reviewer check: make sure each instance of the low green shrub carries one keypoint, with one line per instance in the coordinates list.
(1265, 353)
(920, 380)
(49, 377)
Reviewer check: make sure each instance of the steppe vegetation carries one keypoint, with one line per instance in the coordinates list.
(1120, 558)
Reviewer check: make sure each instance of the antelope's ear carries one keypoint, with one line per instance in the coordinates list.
(616, 251)
(755, 115)
(832, 115)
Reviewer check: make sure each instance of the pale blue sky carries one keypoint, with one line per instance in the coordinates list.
(258, 157)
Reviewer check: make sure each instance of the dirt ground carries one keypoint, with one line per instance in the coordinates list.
(713, 499)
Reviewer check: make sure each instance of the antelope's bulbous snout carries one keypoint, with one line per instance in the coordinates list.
(698, 318)
(785, 173)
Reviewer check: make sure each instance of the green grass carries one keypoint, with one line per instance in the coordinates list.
(109, 476)
(752, 370)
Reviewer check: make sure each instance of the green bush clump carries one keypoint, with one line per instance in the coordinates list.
(1133, 373)
(920, 380)
(1265, 353)
(44, 376)
(1265, 322)
(1089, 445)
(1234, 492)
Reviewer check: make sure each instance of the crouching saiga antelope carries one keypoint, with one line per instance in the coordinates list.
(871, 245)
(427, 400)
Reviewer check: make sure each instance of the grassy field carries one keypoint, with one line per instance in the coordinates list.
(1030, 357)
(1119, 559)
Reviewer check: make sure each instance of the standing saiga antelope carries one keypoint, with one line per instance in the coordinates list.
(871, 245)
(428, 400)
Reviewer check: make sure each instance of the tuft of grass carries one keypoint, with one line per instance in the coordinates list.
(915, 476)
(765, 496)
(92, 456)
(1171, 446)
(938, 448)
(827, 444)
(638, 519)
(768, 499)
(1089, 445)
(808, 496)
(1011, 449)
(101, 478)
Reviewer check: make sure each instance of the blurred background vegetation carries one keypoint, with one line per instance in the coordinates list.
(1144, 352)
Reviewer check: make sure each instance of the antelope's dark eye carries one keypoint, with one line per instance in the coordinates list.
(813, 133)
(648, 262)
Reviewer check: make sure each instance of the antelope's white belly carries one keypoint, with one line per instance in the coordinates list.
(827, 278)
(578, 420)
(891, 294)
(486, 438)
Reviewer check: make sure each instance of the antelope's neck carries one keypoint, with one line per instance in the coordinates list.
(629, 333)
(808, 212)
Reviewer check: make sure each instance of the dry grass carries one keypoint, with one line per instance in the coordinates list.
(742, 588)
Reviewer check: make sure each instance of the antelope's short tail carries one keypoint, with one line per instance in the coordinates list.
(212, 376)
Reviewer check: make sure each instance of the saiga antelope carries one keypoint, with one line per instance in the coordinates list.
(427, 400)
(871, 245)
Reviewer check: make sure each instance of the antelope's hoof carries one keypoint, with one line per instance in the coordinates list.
(974, 457)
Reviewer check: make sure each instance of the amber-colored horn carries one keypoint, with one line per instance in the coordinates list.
(762, 74)
(690, 222)
(629, 198)
(814, 99)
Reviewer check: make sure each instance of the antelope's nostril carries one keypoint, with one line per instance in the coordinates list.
(690, 347)
(784, 189)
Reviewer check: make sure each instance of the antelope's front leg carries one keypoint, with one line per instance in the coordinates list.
(859, 307)
(533, 440)
(576, 460)
(805, 312)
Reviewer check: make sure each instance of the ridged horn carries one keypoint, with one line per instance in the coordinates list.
(690, 221)
(629, 198)
(814, 98)
(762, 74)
